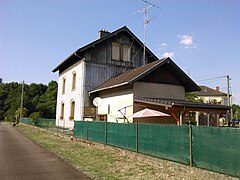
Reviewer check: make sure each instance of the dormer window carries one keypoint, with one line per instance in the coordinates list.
(115, 51)
(126, 53)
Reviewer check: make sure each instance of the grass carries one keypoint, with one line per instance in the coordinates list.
(104, 162)
(93, 161)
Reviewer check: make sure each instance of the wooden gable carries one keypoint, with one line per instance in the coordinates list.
(162, 75)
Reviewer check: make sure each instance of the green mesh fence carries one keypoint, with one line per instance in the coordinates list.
(217, 149)
(122, 135)
(40, 122)
(45, 123)
(213, 148)
(165, 141)
(96, 131)
(26, 121)
(80, 129)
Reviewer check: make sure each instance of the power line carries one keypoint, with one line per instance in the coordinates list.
(211, 78)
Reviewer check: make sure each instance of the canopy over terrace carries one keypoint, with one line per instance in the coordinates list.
(179, 108)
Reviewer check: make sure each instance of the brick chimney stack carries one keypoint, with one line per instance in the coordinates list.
(102, 33)
(217, 88)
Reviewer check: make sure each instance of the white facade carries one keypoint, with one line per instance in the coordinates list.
(116, 106)
(70, 98)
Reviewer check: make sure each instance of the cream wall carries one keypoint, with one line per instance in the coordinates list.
(154, 90)
(222, 100)
(113, 102)
(70, 95)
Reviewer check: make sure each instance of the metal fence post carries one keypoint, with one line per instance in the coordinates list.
(190, 150)
(136, 137)
(87, 130)
(105, 132)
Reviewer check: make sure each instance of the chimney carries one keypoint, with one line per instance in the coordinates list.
(102, 33)
(217, 88)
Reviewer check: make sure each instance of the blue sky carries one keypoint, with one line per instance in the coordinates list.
(201, 36)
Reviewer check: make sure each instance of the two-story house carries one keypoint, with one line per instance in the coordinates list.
(91, 65)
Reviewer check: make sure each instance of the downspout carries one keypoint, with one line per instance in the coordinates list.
(83, 87)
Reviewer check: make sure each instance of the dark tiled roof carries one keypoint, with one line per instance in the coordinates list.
(135, 74)
(207, 91)
(177, 102)
(77, 53)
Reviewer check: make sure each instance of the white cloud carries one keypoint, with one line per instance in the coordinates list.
(163, 44)
(168, 54)
(187, 41)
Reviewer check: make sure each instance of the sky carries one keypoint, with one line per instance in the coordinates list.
(201, 36)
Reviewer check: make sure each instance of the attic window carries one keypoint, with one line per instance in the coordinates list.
(126, 53)
(115, 51)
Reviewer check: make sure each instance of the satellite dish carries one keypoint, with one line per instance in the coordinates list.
(97, 101)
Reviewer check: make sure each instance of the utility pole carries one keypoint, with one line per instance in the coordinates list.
(229, 97)
(21, 106)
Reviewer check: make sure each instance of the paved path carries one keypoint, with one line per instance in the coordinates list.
(21, 159)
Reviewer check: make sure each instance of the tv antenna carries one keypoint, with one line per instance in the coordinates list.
(146, 21)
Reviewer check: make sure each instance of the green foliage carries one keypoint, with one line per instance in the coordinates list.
(34, 116)
(18, 112)
(236, 111)
(192, 97)
(37, 98)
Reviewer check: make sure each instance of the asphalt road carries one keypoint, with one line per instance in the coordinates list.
(22, 159)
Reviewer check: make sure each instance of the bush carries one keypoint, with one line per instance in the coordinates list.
(34, 116)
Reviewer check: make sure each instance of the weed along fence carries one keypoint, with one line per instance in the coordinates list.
(215, 149)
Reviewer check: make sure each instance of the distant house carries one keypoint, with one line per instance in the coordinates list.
(212, 96)
(216, 97)
(91, 65)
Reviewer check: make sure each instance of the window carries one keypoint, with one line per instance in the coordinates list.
(72, 110)
(63, 85)
(126, 53)
(74, 81)
(115, 51)
(62, 111)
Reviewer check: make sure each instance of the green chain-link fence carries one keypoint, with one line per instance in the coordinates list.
(123, 136)
(40, 122)
(217, 149)
(213, 148)
(164, 141)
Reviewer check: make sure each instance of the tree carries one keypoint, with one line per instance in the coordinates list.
(236, 111)
(191, 96)
(36, 98)
(18, 112)
(47, 102)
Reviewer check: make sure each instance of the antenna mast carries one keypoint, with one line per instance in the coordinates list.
(147, 5)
